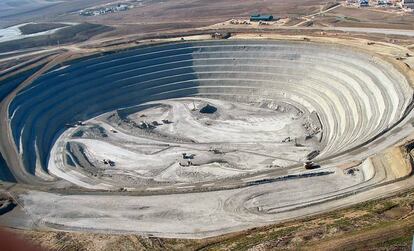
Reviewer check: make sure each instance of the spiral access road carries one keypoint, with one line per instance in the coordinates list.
(358, 99)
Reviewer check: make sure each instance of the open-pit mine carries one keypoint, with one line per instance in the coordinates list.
(192, 139)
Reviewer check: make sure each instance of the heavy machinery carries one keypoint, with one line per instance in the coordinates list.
(310, 165)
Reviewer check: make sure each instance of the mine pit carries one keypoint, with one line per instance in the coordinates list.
(206, 137)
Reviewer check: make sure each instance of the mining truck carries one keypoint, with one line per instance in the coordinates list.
(310, 165)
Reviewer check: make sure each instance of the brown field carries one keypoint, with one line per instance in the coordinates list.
(157, 15)
(358, 17)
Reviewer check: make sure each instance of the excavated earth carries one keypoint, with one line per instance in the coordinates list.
(210, 136)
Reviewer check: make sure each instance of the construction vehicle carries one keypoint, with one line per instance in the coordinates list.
(313, 154)
(219, 35)
(310, 165)
(108, 162)
(76, 124)
(215, 151)
(188, 155)
(166, 121)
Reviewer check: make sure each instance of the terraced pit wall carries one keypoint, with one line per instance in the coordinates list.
(356, 96)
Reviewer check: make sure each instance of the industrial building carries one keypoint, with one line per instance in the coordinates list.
(408, 4)
(260, 17)
(363, 3)
(383, 2)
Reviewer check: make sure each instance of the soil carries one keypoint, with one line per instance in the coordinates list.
(357, 228)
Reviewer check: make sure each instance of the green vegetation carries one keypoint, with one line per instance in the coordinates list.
(274, 236)
(384, 207)
(399, 241)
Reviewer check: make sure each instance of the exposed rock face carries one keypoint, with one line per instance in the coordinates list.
(266, 107)
(209, 109)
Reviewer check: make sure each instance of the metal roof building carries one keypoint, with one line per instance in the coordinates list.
(363, 3)
(408, 3)
(259, 17)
